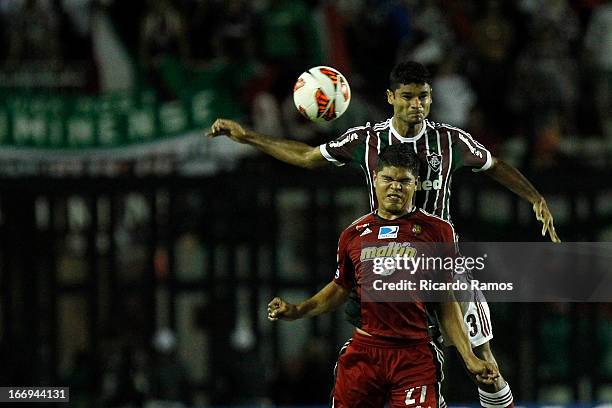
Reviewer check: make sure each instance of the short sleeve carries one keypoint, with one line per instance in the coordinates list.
(448, 248)
(343, 149)
(449, 238)
(345, 271)
(469, 153)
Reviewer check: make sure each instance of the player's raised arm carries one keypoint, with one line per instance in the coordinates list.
(290, 151)
(451, 320)
(326, 300)
(512, 178)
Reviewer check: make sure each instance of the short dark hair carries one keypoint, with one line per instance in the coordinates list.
(399, 155)
(408, 72)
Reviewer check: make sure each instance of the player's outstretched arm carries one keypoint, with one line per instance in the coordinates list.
(512, 178)
(290, 151)
(452, 324)
(327, 300)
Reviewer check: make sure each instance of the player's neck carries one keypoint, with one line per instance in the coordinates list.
(406, 129)
(389, 216)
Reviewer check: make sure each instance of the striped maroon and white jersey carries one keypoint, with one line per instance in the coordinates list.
(442, 148)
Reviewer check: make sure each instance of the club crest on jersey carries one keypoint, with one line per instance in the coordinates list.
(388, 232)
(417, 229)
(435, 161)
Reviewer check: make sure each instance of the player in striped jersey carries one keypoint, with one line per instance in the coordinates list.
(443, 149)
(390, 359)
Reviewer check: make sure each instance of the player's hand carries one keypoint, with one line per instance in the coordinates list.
(540, 208)
(229, 128)
(279, 309)
(485, 372)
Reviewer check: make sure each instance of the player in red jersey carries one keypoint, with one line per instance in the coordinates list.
(442, 149)
(391, 357)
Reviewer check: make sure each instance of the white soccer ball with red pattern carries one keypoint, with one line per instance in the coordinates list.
(322, 94)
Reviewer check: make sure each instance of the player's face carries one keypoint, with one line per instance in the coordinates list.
(395, 187)
(411, 103)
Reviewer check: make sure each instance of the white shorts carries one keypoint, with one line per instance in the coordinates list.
(476, 315)
(477, 319)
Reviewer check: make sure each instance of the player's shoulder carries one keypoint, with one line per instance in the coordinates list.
(445, 127)
(355, 134)
(457, 135)
(381, 126)
(437, 222)
(368, 127)
(358, 226)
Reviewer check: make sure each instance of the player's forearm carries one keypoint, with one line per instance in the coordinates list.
(327, 300)
(289, 151)
(513, 179)
(451, 320)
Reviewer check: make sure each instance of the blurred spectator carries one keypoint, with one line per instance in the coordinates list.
(460, 18)
(556, 13)
(288, 43)
(164, 47)
(598, 48)
(492, 41)
(546, 88)
(168, 377)
(34, 34)
(432, 35)
(374, 31)
(479, 128)
(236, 30)
(289, 34)
(75, 29)
(453, 94)
(203, 21)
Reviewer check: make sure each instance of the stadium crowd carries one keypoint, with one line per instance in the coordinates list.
(540, 70)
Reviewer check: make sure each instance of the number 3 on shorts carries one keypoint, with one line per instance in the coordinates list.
(413, 393)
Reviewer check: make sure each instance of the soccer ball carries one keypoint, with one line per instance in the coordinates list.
(321, 94)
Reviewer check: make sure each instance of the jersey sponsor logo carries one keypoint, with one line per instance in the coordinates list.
(365, 232)
(343, 141)
(360, 227)
(473, 150)
(388, 232)
(391, 250)
(427, 185)
(435, 161)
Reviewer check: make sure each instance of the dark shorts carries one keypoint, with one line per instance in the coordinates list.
(371, 372)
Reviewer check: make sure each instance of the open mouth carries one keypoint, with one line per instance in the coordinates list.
(394, 196)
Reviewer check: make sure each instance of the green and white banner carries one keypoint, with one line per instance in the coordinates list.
(31, 122)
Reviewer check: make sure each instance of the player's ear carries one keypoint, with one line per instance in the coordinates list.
(375, 176)
(390, 97)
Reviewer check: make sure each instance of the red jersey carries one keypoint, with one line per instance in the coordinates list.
(372, 236)
(442, 149)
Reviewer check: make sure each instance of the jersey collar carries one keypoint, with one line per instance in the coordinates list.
(407, 215)
(408, 139)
